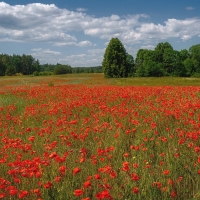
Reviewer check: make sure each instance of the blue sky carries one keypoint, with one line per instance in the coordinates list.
(76, 32)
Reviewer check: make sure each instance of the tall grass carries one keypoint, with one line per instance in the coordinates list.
(99, 142)
(97, 79)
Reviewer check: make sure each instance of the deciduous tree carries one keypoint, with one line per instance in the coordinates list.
(116, 63)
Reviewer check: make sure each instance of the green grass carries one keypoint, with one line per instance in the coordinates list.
(98, 79)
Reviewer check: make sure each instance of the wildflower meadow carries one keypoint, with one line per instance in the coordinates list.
(87, 142)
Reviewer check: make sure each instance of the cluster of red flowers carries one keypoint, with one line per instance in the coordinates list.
(102, 142)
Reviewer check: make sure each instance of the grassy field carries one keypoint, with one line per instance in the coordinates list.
(97, 79)
(83, 137)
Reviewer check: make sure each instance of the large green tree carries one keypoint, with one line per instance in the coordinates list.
(161, 48)
(195, 56)
(116, 63)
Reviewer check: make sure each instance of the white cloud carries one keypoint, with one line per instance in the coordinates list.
(75, 56)
(39, 22)
(94, 57)
(113, 26)
(45, 51)
(173, 28)
(46, 55)
(189, 8)
(96, 51)
(84, 43)
(81, 9)
(60, 44)
(148, 47)
(46, 23)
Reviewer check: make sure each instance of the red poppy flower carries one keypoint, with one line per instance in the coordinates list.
(76, 170)
(135, 190)
(166, 172)
(78, 192)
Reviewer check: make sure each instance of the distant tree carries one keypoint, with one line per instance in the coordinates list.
(171, 60)
(194, 52)
(153, 69)
(16, 61)
(150, 55)
(91, 70)
(189, 67)
(2, 67)
(97, 69)
(115, 62)
(27, 64)
(140, 57)
(164, 61)
(147, 63)
(184, 54)
(141, 70)
(62, 69)
(160, 49)
(130, 65)
(10, 70)
(36, 66)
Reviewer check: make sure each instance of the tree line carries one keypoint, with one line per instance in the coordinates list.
(165, 61)
(162, 61)
(27, 65)
(58, 69)
(13, 64)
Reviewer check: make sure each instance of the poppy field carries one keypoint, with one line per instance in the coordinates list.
(85, 142)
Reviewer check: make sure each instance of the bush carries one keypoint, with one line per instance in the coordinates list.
(36, 73)
(43, 74)
(62, 69)
(196, 75)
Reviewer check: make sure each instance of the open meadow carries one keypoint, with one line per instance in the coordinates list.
(83, 137)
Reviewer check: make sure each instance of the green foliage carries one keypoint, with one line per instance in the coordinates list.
(35, 73)
(25, 64)
(154, 69)
(10, 70)
(195, 56)
(2, 69)
(47, 67)
(140, 57)
(189, 66)
(116, 63)
(184, 54)
(164, 61)
(62, 69)
(77, 70)
(36, 66)
(196, 75)
(195, 52)
(130, 65)
(16, 61)
(141, 71)
(45, 73)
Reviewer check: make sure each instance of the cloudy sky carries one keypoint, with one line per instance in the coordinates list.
(76, 32)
